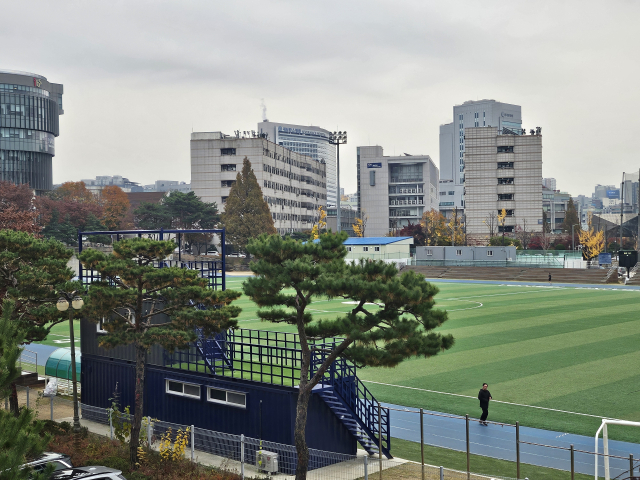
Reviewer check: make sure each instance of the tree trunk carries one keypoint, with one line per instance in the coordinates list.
(299, 433)
(141, 353)
(13, 400)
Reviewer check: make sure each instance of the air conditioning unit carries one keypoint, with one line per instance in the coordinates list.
(267, 461)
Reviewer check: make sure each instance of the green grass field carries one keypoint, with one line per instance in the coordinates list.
(572, 349)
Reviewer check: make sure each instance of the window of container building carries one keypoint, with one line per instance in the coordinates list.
(183, 389)
(227, 397)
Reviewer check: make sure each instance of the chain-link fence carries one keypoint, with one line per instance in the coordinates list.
(46, 408)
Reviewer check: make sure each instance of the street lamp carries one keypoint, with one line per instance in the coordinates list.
(337, 139)
(573, 239)
(66, 299)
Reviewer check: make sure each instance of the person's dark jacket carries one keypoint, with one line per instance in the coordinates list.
(483, 396)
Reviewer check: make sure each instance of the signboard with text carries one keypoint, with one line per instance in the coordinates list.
(374, 165)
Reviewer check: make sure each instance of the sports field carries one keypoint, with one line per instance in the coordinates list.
(571, 349)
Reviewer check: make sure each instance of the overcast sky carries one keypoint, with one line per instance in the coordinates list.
(140, 76)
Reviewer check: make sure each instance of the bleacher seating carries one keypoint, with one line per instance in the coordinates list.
(514, 274)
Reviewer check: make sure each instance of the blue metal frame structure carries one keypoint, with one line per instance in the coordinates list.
(210, 269)
(275, 358)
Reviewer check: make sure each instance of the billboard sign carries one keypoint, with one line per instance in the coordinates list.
(613, 194)
(374, 165)
(604, 259)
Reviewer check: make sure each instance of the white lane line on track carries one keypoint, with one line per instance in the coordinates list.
(494, 401)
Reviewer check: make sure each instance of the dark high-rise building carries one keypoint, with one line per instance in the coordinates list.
(29, 109)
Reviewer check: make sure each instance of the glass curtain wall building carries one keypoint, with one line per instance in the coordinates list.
(29, 109)
(306, 140)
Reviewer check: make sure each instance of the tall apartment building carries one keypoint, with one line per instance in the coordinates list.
(306, 140)
(30, 107)
(394, 191)
(503, 171)
(481, 113)
(293, 185)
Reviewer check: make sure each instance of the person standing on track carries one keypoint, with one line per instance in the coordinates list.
(484, 396)
(549, 278)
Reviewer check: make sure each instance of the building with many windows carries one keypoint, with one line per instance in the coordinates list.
(293, 185)
(503, 171)
(555, 204)
(394, 191)
(95, 185)
(29, 109)
(306, 140)
(481, 113)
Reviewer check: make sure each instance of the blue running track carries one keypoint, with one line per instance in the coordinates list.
(499, 441)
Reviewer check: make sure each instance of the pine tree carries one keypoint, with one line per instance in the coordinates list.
(32, 271)
(246, 213)
(165, 291)
(20, 436)
(571, 218)
(291, 275)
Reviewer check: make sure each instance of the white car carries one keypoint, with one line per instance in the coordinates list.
(88, 473)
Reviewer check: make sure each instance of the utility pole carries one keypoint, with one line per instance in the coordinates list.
(453, 227)
(621, 208)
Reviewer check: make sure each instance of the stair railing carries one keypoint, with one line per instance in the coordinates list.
(341, 375)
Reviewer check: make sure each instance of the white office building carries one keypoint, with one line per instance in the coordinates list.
(481, 113)
(306, 140)
(394, 191)
(293, 185)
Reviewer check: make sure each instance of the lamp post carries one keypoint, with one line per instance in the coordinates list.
(337, 139)
(76, 302)
(573, 239)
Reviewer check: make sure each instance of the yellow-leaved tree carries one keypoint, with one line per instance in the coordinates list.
(322, 223)
(592, 241)
(360, 225)
(501, 218)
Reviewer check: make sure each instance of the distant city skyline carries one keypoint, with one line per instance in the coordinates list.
(131, 108)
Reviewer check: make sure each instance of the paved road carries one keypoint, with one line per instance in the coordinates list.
(498, 441)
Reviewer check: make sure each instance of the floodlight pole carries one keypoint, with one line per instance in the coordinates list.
(337, 139)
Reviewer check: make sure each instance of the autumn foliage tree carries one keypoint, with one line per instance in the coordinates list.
(16, 208)
(360, 226)
(246, 213)
(115, 204)
(592, 241)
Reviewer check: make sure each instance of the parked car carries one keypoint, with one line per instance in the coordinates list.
(59, 461)
(88, 473)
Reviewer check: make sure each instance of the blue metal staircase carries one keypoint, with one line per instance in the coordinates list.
(354, 405)
(213, 350)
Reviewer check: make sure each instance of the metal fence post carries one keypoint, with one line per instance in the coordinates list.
(441, 473)
(573, 470)
(468, 453)
(422, 440)
(111, 422)
(518, 450)
(28, 396)
(366, 467)
(380, 438)
(242, 456)
(51, 398)
(631, 465)
(193, 441)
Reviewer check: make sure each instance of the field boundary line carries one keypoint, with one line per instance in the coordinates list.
(496, 401)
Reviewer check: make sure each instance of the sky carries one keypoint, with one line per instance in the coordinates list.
(140, 76)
